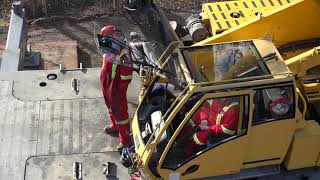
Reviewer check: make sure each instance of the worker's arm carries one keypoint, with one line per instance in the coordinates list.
(229, 123)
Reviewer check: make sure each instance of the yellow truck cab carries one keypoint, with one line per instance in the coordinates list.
(271, 128)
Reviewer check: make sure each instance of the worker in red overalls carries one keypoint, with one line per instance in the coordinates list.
(215, 117)
(116, 75)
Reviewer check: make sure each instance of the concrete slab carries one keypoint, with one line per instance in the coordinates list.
(40, 127)
(61, 166)
(59, 88)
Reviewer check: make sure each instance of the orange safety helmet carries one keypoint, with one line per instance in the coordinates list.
(114, 32)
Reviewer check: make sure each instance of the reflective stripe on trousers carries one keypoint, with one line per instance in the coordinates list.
(123, 122)
(123, 77)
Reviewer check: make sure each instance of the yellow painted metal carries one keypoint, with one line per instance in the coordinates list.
(145, 151)
(269, 147)
(218, 161)
(291, 22)
(312, 91)
(305, 148)
(302, 109)
(184, 68)
(294, 52)
(318, 162)
(226, 159)
(299, 65)
(225, 15)
(264, 144)
(276, 66)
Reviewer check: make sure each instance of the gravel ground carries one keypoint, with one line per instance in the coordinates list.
(183, 5)
(81, 32)
(190, 6)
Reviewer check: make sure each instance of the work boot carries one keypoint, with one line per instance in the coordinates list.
(121, 146)
(109, 129)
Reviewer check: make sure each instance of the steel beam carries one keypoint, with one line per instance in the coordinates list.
(14, 53)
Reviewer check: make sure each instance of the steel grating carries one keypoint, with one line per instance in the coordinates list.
(225, 15)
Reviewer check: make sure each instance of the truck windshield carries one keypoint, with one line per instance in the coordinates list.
(223, 61)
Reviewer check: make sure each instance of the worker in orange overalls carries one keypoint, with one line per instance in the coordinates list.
(217, 117)
(116, 75)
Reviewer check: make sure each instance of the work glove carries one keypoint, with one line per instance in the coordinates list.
(204, 125)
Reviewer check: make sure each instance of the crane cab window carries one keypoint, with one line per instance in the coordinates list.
(223, 61)
(273, 104)
(214, 122)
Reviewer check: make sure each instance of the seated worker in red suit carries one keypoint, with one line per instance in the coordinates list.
(215, 117)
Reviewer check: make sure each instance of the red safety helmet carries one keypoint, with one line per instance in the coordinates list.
(113, 31)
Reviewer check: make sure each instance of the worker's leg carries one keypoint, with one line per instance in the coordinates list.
(105, 83)
(124, 121)
(124, 134)
(111, 115)
(120, 112)
(120, 101)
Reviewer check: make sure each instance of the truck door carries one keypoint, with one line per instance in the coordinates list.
(219, 153)
(273, 124)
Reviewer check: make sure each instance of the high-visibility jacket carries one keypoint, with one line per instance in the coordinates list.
(116, 75)
(222, 118)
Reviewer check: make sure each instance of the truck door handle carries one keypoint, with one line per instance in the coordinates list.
(191, 169)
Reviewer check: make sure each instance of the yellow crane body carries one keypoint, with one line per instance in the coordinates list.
(248, 56)
(294, 20)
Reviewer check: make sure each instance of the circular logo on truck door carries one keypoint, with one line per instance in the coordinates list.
(280, 106)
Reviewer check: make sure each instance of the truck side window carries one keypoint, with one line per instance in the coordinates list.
(214, 122)
(273, 104)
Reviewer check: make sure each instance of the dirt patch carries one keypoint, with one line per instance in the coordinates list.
(82, 9)
(191, 6)
(82, 32)
(81, 28)
(54, 53)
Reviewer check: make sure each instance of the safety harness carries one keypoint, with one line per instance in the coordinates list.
(115, 63)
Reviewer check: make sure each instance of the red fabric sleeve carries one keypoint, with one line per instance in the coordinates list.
(229, 121)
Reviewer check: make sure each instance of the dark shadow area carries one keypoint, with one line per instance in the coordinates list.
(84, 58)
(71, 35)
(40, 67)
(176, 16)
(83, 29)
(114, 134)
(84, 42)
